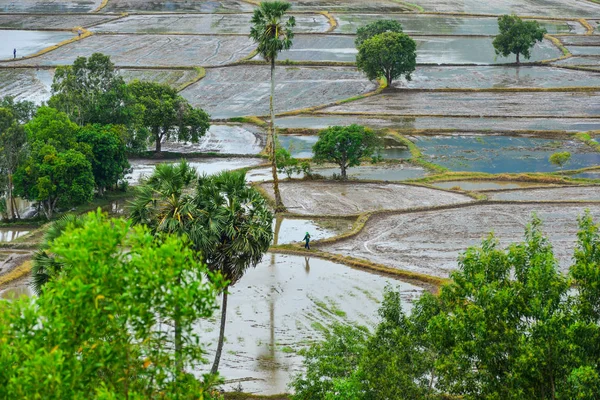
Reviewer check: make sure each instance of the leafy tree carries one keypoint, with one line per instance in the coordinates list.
(517, 36)
(390, 54)
(166, 114)
(109, 158)
(13, 149)
(376, 28)
(101, 328)
(560, 159)
(272, 36)
(57, 171)
(346, 146)
(286, 163)
(23, 111)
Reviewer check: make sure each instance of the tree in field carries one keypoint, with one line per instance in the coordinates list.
(166, 114)
(517, 36)
(13, 149)
(109, 154)
(346, 146)
(272, 36)
(560, 159)
(390, 55)
(286, 163)
(101, 327)
(57, 171)
(376, 28)
(233, 231)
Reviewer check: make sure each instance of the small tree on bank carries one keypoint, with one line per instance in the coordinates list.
(376, 28)
(390, 54)
(560, 159)
(272, 36)
(517, 36)
(346, 146)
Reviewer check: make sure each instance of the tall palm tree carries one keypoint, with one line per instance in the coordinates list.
(233, 232)
(164, 203)
(272, 37)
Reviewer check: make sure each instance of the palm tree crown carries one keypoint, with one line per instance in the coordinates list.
(268, 30)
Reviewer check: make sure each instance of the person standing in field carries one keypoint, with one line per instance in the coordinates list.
(307, 241)
(14, 53)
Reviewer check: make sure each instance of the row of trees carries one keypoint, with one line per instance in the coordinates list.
(509, 325)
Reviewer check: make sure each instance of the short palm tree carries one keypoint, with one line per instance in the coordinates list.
(233, 232)
(272, 36)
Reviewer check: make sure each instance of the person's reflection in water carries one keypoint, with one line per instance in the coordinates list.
(307, 266)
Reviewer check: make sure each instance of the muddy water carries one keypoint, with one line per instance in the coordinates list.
(10, 234)
(498, 154)
(289, 230)
(284, 305)
(28, 42)
(485, 185)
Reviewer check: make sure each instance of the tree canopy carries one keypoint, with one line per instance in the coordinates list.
(517, 36)
(560, 158)
(346, 146)
(390, 55)
(167, 115)
(376, 28)
(13, 150)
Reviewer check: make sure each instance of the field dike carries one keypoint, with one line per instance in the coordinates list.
(101, 6)
(85, 33)
(16, 273)
(333, 24)
(200, 73)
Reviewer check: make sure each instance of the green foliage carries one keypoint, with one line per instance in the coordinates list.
(517, 36)
(508, 326)
(346, 146)
(13, 150)
(376, 28)
(560, 159)
(57, 171)
(166, 114)
(390, 55)
(286, 163)
(109, 158)
(101, 328)
(23, 111)
(269, 31)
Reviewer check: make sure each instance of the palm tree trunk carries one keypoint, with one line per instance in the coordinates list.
(10, 212)
(278, 203)
(215, 366)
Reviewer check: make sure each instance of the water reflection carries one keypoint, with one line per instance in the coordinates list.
(10, 234)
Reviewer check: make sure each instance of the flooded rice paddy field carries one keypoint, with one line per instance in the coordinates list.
(554, 194)
(202, 24)
(284, 305)
(551, 104)
(503, 154)
(378, 172)
(346, 198)
(350, 5)
(26, 83)
(585, 51)
(585, 61)
(48, 6)
(244, 90)
(144, 168)
(460, 124)
(55, 21)
(223, 139)
(28, 42)
(445, 24)
(479, 185)
(288, 230)
(205, 6)
(430, 50)
(152, 50)
(430, 242)
(172, 77)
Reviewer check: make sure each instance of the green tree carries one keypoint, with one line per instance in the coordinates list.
(286, 163)
(101, 328)
(166, 114)
(272, 36)
(346, 146)
(57, 171)
(109, 154)
(560, 159)
(517, 36)
(23, 111)
(13, 150)
(390, 55)
(376, 28)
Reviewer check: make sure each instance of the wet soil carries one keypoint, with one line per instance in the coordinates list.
(485, 185)
(48, 6)
(208, 6)
(24, 21)
(224, 139)
(554, 194)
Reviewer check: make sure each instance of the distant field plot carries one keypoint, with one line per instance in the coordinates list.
(550, 8)
(172, 77)
(208, 6)
(26, 83)
(480, 185)
(585, 50)
(28, 42)
(551, 104)
(244, 90)
(445, 25)
(434, 50)
(583, 61)
(326, 198)
(503, 154)
(24, 21)
(459, 124)
(581, 40)
(202, 24)
(596, 24)
(430, 242)
(49, 6)
(349, 5)
(224, 139)
(553, 194)
(152, 50)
